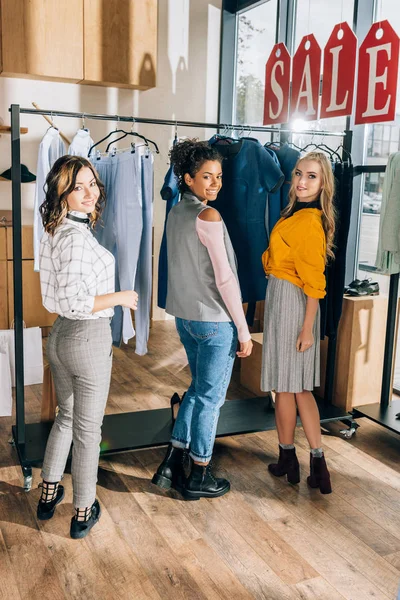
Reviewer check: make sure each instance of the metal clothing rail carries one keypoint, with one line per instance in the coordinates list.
(148, 428)
(126, 119)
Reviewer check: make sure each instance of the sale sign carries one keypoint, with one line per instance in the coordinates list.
(378, 66)
(277, 86)
(340, 55)
(305, 80)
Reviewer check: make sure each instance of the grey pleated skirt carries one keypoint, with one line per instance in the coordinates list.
(284, 369)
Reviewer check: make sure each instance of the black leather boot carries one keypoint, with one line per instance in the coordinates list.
(287, 465)
(319, 474)
(171, 473)
(201, 483)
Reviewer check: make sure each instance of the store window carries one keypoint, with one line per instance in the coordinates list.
(320, 16)
(382, 140)
(255, 39)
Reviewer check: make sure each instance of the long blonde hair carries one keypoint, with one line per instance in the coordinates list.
(326, 199)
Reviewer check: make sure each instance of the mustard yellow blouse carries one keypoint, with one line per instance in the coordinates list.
(297, 251)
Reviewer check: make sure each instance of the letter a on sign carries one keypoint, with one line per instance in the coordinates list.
(339, 72)
(277, 86)
(377, 75)
(305, 80)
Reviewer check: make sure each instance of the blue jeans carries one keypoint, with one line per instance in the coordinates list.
(210, 348)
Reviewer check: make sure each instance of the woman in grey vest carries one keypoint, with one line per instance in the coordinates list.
(204, 296)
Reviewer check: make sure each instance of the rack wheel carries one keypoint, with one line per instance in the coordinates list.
(348, 433)
(27, 483)
(11, 441)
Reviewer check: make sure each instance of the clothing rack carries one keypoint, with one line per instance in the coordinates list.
(148, 428)
(384, 412)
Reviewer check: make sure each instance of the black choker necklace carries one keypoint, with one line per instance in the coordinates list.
(78, 219)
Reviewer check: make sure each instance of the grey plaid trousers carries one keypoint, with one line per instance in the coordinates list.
(80, 357)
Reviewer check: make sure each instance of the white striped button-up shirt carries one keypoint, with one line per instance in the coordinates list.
(74, 268)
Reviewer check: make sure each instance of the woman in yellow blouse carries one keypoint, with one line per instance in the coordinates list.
(300, 245)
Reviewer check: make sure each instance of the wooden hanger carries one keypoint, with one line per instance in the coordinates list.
(64, 137)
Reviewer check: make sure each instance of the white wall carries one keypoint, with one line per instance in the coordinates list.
(187, 89)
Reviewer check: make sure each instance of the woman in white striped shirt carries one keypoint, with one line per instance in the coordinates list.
(77, 283)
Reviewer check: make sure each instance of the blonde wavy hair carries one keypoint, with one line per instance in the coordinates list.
(326, 199)
(59, 184)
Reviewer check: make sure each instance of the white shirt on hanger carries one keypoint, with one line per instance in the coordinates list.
(50, 149)
(81, 143)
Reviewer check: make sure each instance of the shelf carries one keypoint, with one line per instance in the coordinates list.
(383, 416)
(7, 129)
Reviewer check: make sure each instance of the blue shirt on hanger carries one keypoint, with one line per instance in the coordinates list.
(249, 174)
(170, 193)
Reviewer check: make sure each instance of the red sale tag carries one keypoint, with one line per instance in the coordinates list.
(339, 72)
(377, 75)
(277, 86)
(305, 80)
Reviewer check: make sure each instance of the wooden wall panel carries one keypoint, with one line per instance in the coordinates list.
(120, 38)
(42, 39)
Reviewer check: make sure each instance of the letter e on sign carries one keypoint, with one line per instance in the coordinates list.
(305, 80)
(378, 66)
(340, 55)
(277, 86)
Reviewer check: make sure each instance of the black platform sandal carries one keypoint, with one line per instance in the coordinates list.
(51, 496)
(91, 514)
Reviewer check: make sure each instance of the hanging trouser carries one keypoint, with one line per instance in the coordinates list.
(122, 230)
(80, 357)
(143, 282)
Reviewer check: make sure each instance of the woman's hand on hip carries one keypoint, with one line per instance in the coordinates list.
(245, 349)
(129, 299)
(305, 340)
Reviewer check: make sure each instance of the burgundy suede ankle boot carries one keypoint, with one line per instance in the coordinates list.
(319, 474)
(287, 465)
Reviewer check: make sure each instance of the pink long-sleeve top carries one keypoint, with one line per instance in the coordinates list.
(211, 235)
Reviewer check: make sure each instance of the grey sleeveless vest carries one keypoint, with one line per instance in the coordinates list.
(192, 292)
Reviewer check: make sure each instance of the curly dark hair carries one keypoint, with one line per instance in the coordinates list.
(59, 184)
(188, 157)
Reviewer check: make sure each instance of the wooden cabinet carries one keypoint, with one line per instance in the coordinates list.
(120, 40)
(360, 352)
(34, 312)
(359, 355)
(42, 39)
(100, 42)
(3, 295)
(26, 242)
(250, 368)
(3, 243)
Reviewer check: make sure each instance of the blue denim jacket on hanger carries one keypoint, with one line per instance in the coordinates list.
(170, 193)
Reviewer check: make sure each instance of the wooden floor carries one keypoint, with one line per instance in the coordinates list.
(264, 540)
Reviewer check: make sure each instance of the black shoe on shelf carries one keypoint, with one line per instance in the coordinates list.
(201, 483)
(366, 288)
(45, 510)
(354, 284)
(80, 529)
(171, 472)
